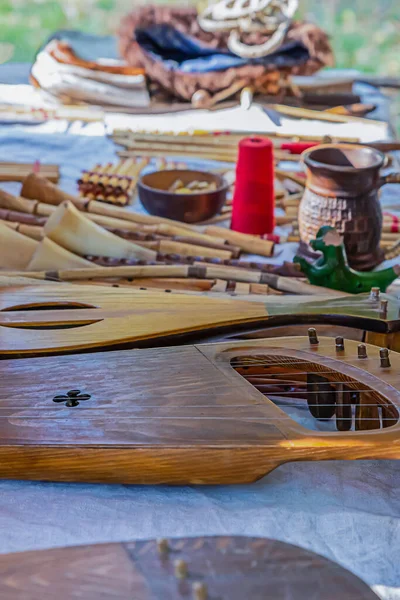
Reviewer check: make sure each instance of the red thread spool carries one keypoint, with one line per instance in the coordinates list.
(254, 198)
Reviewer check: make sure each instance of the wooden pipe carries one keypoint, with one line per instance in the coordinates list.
(41, 210)
(20, 217)
(143, 236)
(32, 231)
(16, 250)
(72, 230)
(248, 243)
(167, 246)
(49, 255)
(24, 205)
(197, 271)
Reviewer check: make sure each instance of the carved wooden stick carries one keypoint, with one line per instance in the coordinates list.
(170, 247)
(20, 217)
(284, 284)
(197, 246)
(32, 231)
(248, 243)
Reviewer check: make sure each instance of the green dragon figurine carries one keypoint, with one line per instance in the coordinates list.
(332, 270)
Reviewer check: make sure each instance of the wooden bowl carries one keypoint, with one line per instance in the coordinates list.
(189, 208)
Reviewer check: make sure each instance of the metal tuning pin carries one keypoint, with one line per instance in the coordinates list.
(200, 591)
(383, 309)
(181, 569)
(375, 294)
(339, 344)
(162, 546)
(313, 337)
(362, 351)
(385, 360)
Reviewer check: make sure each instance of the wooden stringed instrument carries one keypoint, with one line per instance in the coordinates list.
(205, 568)
(200, 414)
(59, 318)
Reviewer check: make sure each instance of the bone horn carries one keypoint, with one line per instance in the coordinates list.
(16, 249)
(51, 256)
(74, 231)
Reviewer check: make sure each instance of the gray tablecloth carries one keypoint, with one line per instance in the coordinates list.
(347, 511)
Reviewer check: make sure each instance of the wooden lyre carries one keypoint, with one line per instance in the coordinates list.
(198, 414)
(59, 318)
(206, 568)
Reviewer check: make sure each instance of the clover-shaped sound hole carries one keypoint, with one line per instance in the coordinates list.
(72, 398)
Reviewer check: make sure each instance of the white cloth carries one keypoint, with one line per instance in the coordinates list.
(346, 511)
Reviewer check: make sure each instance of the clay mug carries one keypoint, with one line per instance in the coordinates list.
(342, 190)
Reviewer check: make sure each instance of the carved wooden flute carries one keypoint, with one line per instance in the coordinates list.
(287, 269)
(197, 271)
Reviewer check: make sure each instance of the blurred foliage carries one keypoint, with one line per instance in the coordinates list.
(365, 33)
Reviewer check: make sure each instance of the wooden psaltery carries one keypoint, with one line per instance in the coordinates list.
(205, 414)
(60, 318)
(206, 568)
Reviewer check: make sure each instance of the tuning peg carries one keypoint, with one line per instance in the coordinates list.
(383, 309)
(313, 337)
(385, 360)
(375, 294)
(181, 569)
(200, 591)
(162, 546)
(339, 344)
(362, 351)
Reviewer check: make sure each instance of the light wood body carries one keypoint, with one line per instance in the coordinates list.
(181, 415)
(33, 318)
(227, 567)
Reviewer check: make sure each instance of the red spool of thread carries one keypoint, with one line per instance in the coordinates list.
(254, 199)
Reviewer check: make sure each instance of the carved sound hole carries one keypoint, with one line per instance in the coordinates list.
(22, 322)
(303, 390)
(72, 398)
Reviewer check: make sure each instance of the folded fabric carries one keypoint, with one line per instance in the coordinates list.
(180, 51)
(61, 73)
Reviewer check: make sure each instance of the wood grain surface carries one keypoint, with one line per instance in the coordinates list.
(59, 318)
(213, 568)
(185, 414)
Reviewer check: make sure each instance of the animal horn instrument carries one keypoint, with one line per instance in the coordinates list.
(72, 230)
(49, 255)
(16, 249)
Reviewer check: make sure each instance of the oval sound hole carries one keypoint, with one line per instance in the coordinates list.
(47, 306)
(26, 323)
(316, 396)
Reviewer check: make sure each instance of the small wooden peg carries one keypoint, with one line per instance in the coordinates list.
(385, 360)
(200, 591)
(375, 294)
(162, 546)
(339, 344)
(313, 337)
(362, 351)
(181, 569)
(383, 309)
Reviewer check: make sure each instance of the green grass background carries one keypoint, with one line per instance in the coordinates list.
(365, 33)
